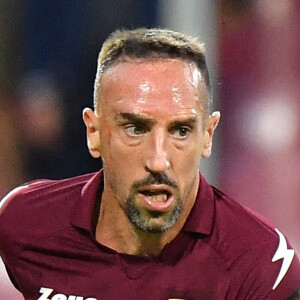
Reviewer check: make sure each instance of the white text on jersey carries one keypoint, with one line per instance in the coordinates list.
(46, 293)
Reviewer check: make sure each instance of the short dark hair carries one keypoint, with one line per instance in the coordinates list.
(144, 43)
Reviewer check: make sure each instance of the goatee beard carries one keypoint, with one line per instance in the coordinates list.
(144, 222)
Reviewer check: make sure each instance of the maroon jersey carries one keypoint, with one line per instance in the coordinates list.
(224, 251)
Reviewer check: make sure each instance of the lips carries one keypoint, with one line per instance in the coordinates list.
(156, 198)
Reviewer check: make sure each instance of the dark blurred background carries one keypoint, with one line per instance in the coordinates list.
(48, 53)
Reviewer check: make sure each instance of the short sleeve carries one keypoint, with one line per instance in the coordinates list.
(268, 273)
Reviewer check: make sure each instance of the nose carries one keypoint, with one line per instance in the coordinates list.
(156, 156)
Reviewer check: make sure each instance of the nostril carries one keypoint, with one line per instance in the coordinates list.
(157, 165)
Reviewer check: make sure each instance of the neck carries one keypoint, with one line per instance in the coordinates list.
(114, 230)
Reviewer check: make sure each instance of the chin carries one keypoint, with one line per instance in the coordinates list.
(153, 222)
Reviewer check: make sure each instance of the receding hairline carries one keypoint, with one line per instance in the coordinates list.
(143, 42)
(150, 44)
(188, 68)
(135, 60)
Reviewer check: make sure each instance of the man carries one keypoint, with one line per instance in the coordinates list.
(148, 226)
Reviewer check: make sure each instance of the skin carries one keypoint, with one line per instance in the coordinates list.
(151, 133)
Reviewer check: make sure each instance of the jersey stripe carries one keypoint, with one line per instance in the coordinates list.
(11, 193)
(286, 255)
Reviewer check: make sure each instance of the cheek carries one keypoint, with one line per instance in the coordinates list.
(120, 160)
(189, 156)
(112, 148)
(187, 167)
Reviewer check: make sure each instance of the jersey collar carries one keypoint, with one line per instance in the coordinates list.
(83, 212)
(201, 217)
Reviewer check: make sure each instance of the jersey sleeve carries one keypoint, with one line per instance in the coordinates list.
(9, 214)
(270, 273)
(287, 282)
(9, 246)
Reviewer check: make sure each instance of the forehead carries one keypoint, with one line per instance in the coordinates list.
(166, 86)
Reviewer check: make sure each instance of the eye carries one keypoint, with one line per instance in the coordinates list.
(135, 130)
(181, 132)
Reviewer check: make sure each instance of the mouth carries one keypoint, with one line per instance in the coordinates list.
(156, 198)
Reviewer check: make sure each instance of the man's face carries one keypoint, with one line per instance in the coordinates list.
(152, 135)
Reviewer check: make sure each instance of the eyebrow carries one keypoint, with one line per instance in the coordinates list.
(134, 118)
(188, 121)
(138, 119)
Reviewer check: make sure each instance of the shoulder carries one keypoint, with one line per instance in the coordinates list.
(237, 222)
(39, 203)
(42, 190)
(258, 256)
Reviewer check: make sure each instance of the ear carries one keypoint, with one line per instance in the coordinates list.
(211, 124)
(91, 122)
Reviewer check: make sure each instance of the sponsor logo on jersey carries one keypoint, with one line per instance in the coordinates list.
(285, 254)
(47, 294)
